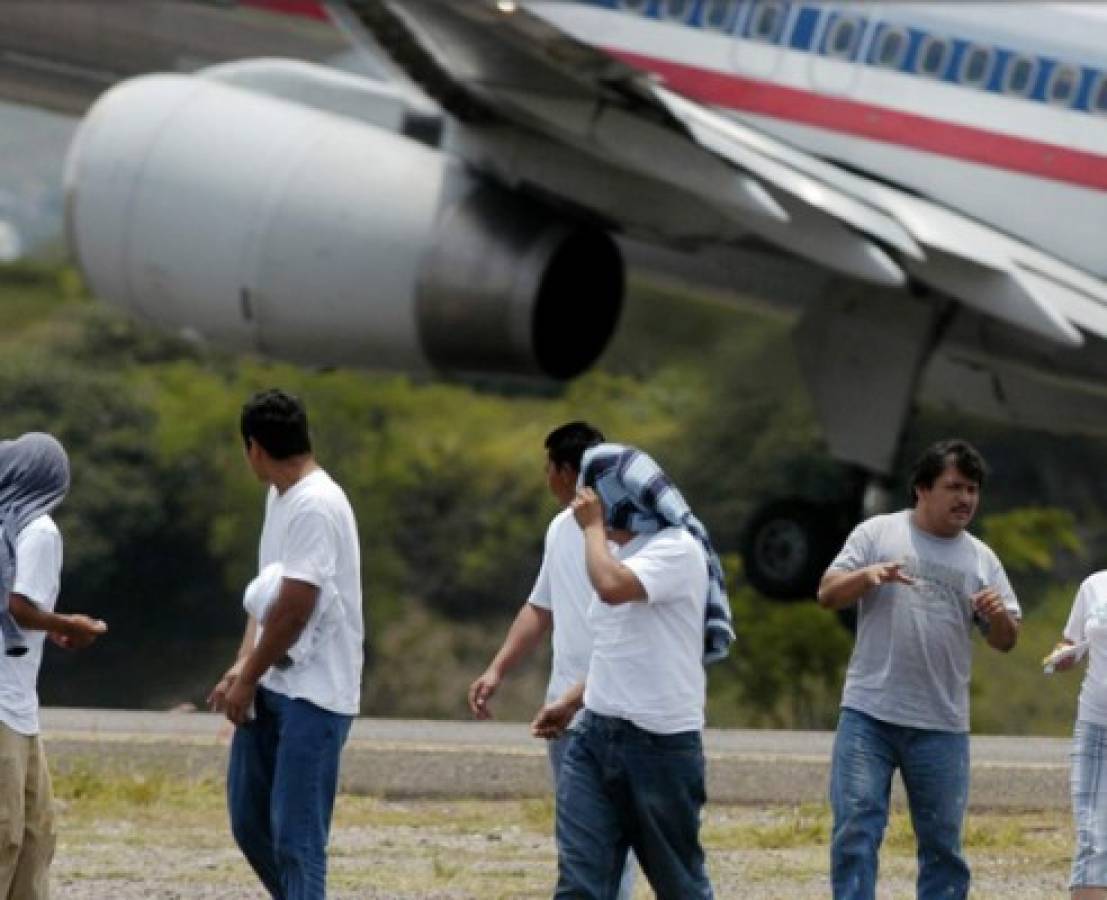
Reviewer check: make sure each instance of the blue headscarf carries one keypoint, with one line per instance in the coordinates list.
(34, 479)
(638, 496)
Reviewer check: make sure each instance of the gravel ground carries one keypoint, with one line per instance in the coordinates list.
(157, 842)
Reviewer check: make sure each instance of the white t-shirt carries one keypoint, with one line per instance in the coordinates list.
(1088, 622)
(310, 530)
(647, 657)
(563, 588)
(38, 562)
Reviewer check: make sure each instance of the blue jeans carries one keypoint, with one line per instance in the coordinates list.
(935, 770)
(620, 787)
(281, 783)
(556, 750)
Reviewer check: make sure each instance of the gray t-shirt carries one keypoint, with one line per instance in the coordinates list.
(913, 655)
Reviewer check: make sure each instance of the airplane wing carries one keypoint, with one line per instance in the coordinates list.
(492, 63)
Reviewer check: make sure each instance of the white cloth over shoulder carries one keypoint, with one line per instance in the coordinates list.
(262, 593)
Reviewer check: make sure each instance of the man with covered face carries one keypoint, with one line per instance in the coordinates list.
(633, 775)
(34, 479)
(921, 583)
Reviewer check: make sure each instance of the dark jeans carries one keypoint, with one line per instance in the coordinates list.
(621, 787)
(935, 769)
(281, 783)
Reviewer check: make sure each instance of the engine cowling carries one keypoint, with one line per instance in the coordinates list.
(262, 224)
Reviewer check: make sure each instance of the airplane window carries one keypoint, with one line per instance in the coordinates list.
(1099, 96)
(891, 48)
(841, 40)
(1020, 76)
(767, 21)
(976, 67)
(933, 57)
(677, 10)
(719, 14)
(638, 6)
(1062, 85)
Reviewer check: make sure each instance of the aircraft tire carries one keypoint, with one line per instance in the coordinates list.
(787, 546)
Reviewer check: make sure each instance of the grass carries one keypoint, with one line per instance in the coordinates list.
(129, 836)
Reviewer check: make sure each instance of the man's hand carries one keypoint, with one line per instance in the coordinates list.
(988, 604)
(79, 631)
(217, 699)
(1003, 628)
(552, 719)
(886, 573)
(587, 508)
(238, 700)
(481, 691)
(840, 588)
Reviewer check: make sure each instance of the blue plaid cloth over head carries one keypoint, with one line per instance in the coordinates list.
(638, 496)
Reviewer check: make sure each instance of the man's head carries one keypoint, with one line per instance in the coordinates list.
(274, 428)
(945, 487)
(34, 474)
(565, 447)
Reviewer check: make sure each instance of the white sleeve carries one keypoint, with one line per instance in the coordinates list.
(1074, 628)
(857, 552)
(997, 578)
(38, 567)
(665, 569)
(310, 550)
(540, 594)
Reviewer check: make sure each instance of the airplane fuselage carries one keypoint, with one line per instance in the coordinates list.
(998, 113)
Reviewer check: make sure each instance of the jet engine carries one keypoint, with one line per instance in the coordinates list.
(265, 224)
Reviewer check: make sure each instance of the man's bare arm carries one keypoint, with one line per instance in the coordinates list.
(553, 718)
(287, 618)
(614, 583)
(532, 623)
(75, 630)
(839, 589)
(1003, 628)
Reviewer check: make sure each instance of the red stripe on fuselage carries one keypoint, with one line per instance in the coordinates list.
(878, 123)
(307, 9)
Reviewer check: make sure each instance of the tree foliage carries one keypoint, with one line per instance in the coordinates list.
(162, 522)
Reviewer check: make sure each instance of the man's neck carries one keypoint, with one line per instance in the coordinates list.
(286, 473)
(927, 528)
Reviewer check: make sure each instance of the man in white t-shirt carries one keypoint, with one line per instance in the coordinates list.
(633, 775)
(34, 479)
(292, 720)
(559, 601)
(921, 583)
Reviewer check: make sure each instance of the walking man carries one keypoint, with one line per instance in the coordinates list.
(293, 718)
(921, 583)
(34, 479)
(558, 602)
(633, 774)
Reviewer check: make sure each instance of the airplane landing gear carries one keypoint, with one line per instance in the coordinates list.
(789, 543)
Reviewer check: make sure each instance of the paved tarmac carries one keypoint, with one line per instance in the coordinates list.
(442, 759)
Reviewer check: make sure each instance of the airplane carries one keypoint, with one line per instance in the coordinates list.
(921, 185)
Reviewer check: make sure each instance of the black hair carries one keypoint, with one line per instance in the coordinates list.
(565, 446)
(937, 456)
(278, 422)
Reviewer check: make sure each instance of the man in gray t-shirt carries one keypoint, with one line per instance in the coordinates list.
(921, 583)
